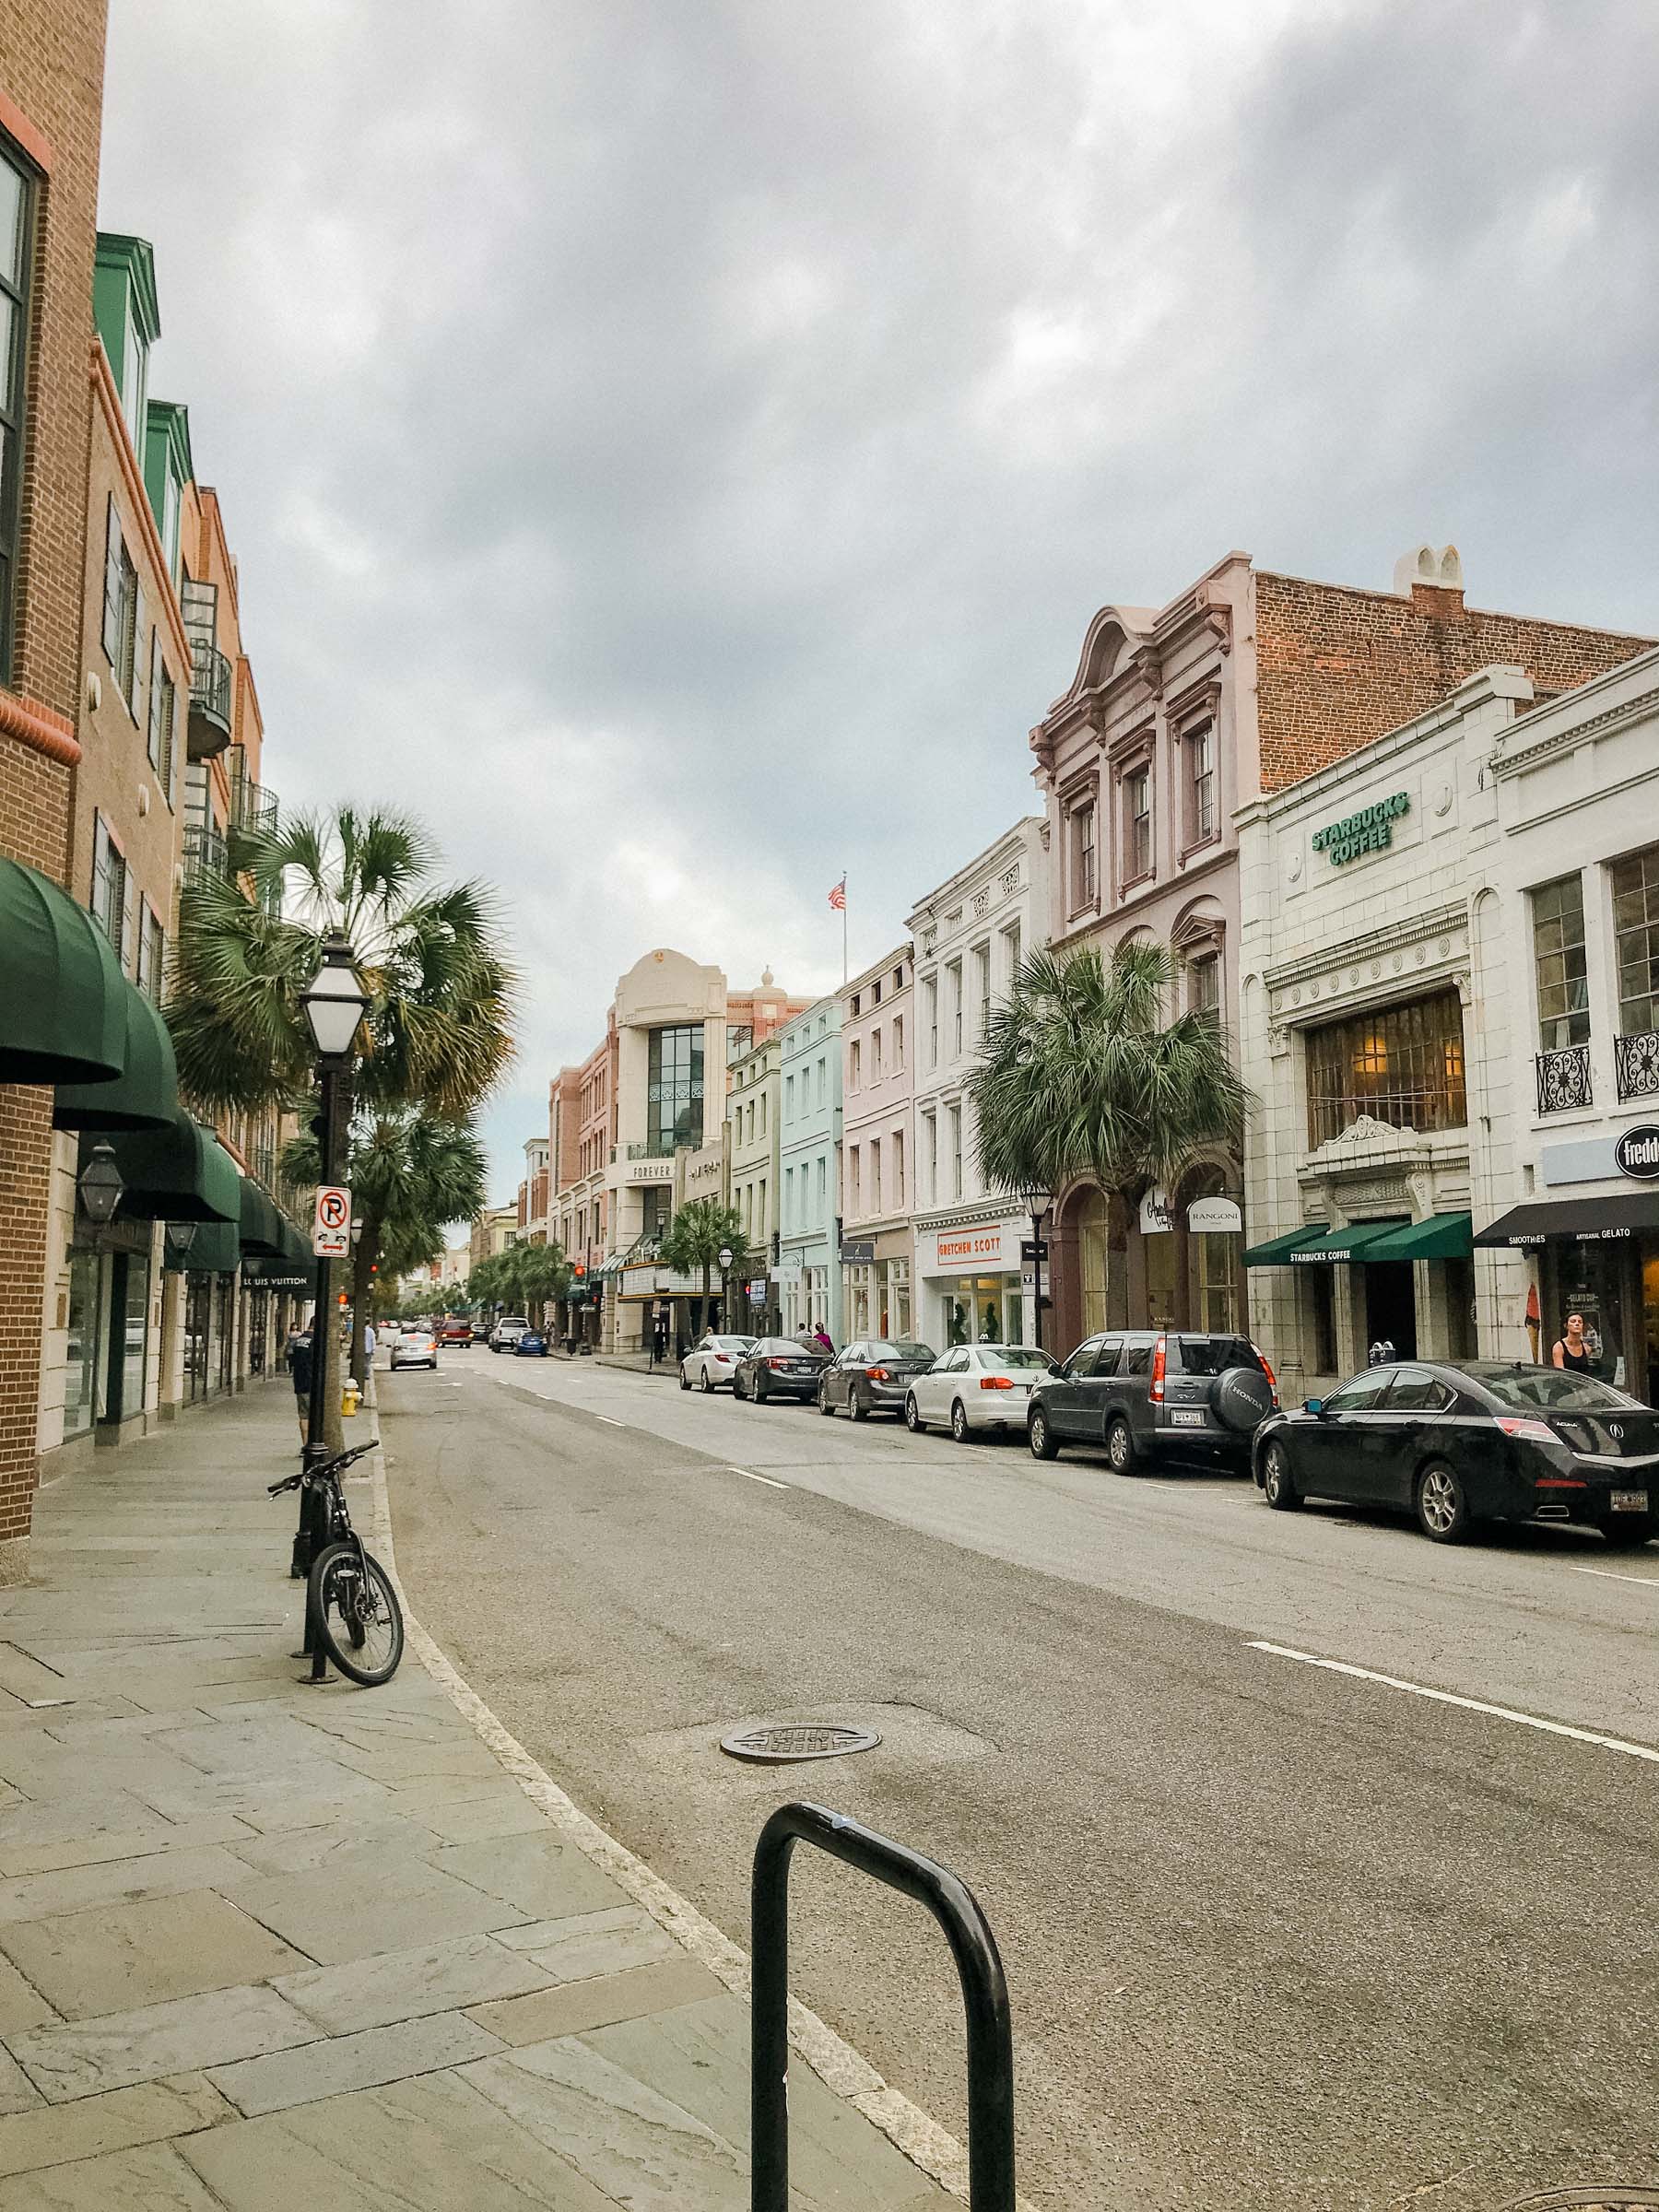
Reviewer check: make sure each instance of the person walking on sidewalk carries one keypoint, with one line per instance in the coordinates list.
(299, 1368)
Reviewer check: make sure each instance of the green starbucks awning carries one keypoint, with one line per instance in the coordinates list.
(179, 1173)
(145, 1093)
(63, 1010)
(1440, 1237)
(260, 1223)
(1353, 1242)
(1278, 1252)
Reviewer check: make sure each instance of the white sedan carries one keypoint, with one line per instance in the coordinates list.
(713, 1361)
(975, 1386)
(414, 1348)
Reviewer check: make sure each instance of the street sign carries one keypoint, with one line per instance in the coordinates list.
(1034, 1248)
(331, 1222)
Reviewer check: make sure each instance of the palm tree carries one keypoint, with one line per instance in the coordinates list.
(695, 1239)
(437, 1033)
(1080, 1075)
(411, 1174)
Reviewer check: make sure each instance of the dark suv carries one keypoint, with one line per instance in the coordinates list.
(1144, 1394)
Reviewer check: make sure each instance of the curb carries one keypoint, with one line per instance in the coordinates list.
(928, 2147)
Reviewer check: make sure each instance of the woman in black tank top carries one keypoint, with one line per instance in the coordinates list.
(1572, 1351)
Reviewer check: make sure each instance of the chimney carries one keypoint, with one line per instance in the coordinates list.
(1433, 580)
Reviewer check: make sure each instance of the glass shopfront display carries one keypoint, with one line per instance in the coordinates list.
(80, 1366)
(129, 1336)
(1590, 1280)
(983, 1309)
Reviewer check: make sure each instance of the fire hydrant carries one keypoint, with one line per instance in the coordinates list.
(351, 1397)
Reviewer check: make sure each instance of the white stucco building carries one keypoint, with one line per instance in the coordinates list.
(877, 1145)
(969, 934)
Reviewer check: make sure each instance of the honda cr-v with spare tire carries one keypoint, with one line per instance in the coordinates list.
(1146, 1396)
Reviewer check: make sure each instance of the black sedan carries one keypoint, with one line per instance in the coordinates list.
(872, 1376)
(779, 1366)
(1484, 1441)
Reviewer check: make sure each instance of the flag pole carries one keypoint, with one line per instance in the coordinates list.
(844, 970)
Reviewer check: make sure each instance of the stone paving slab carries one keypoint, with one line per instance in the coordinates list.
(264, 1945)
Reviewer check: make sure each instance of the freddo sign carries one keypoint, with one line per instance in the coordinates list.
(1637, 1152)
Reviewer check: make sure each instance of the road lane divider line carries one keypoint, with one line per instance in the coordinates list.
(1446, 1697)
(749, 1475)
(1605, 1574)
(609, 1422)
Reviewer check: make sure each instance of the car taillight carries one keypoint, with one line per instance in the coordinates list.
(1157, 1370)
(1266, 1369)
(1532, 1432)
(996, 1382)
(722, 1358)
(779, 1364)
(879, 1374)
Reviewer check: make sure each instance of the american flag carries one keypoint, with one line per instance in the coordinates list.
(838, 896)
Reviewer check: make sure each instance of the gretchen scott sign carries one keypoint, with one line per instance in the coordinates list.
(1367, 831)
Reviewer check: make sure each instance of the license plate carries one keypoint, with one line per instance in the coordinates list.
(1181, 1416)
(1629, 1501)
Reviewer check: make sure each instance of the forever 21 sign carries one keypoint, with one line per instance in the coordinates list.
(1637, 1152)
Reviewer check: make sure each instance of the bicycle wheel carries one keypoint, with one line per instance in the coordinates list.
(360, 1619)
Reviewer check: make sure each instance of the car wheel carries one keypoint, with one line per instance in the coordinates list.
(1040, 1437)
(824, 1405)
(912, 1415)
(1120, 1448)
(685, 1378)
(1629, 1532)
(1277, 1485)
(707, 1383)
(959, 1422)
(760, 1392)
(1442, 1508)
(858, 1408)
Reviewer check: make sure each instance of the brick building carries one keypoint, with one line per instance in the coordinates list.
(1176, 717)
(50, 100)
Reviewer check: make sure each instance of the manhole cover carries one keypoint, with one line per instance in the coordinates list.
(1604, 2197)
(803, 1740)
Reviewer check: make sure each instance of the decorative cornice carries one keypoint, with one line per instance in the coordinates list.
(41, 729)
(1451, 922)
(1572, 734)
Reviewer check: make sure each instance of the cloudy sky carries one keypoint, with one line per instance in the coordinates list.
(677, 448)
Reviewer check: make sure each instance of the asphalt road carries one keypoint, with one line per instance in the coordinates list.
(1276, 1935)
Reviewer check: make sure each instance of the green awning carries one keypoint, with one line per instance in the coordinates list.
(294, 1249)
(63, 1012)
(214, 1250)
(1440, 1237)
(1351, 1243)
(260, 1223)
(179, 1173)
(145, 1093)
(1277, 1250)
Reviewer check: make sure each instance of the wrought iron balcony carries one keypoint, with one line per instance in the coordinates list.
(209, 700)
(1636, 1064)
(1563, 1078)
(251, 806)
(206, 853)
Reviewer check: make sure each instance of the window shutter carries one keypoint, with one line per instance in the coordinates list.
(157, 673)
(129, 895)
(135, 684)
(101, 872)
(170, 739)
(111, 606)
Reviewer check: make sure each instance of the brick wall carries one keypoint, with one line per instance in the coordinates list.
(1337, 666)
(50, 103)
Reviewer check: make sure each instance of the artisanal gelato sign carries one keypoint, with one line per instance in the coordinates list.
(1368, 831)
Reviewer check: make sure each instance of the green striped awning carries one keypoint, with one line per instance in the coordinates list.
(1277, 1252)
(145, 1093)
(260, 1223)
(179, 1173)
(63, 1010)
(1440, 1237)
(1353, 1242)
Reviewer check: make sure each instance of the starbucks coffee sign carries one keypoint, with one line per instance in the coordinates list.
(1637, 1152)
(1368, 831)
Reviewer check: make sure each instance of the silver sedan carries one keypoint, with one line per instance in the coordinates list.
(975, 1386)
(713, 1361)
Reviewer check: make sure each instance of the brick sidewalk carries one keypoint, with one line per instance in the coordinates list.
(264, 1946)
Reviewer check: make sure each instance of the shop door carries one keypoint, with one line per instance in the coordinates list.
(129, 1324)
(1391, 1307)
(79, 1379)
(199, 1315)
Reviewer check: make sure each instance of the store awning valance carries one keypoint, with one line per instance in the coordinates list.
(1578, 1220)
(1342, 1244)
(279, 1272)
(62, 1011)
(1277, 1251)
(260, 1223)
(179, 1173)
(607, 1269)
(1440, 1237)
(145, 1093)
(294, 1249)
(215, 1248)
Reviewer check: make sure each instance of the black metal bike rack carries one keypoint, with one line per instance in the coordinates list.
(984, 1998)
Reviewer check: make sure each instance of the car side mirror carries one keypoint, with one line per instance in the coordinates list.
(1314, 1405)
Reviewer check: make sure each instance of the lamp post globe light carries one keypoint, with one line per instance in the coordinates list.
(334, 1005)
(1039, 1202)
(725, 1257)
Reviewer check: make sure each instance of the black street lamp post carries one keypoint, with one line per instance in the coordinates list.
(1039, 1204)
(724, 1257)
(334, 1006)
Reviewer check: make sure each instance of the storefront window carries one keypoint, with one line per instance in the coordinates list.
(131, 1288)
(1589, 1281)
(1216, 1304)
(673, 1112)
(198, 1322)
(1160, 1279)
(897, 1321)
(1635, 933)
(1094, 1259)
(1401, 1065)
(80, 1401)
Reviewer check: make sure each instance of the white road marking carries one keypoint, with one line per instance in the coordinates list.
(609, 1422)
(1444, 1697)
(1605, 1574)
(749, 1476)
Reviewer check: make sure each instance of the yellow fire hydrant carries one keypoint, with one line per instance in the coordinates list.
(351, 1397)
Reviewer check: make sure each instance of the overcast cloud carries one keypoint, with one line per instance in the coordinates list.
(676, 449)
